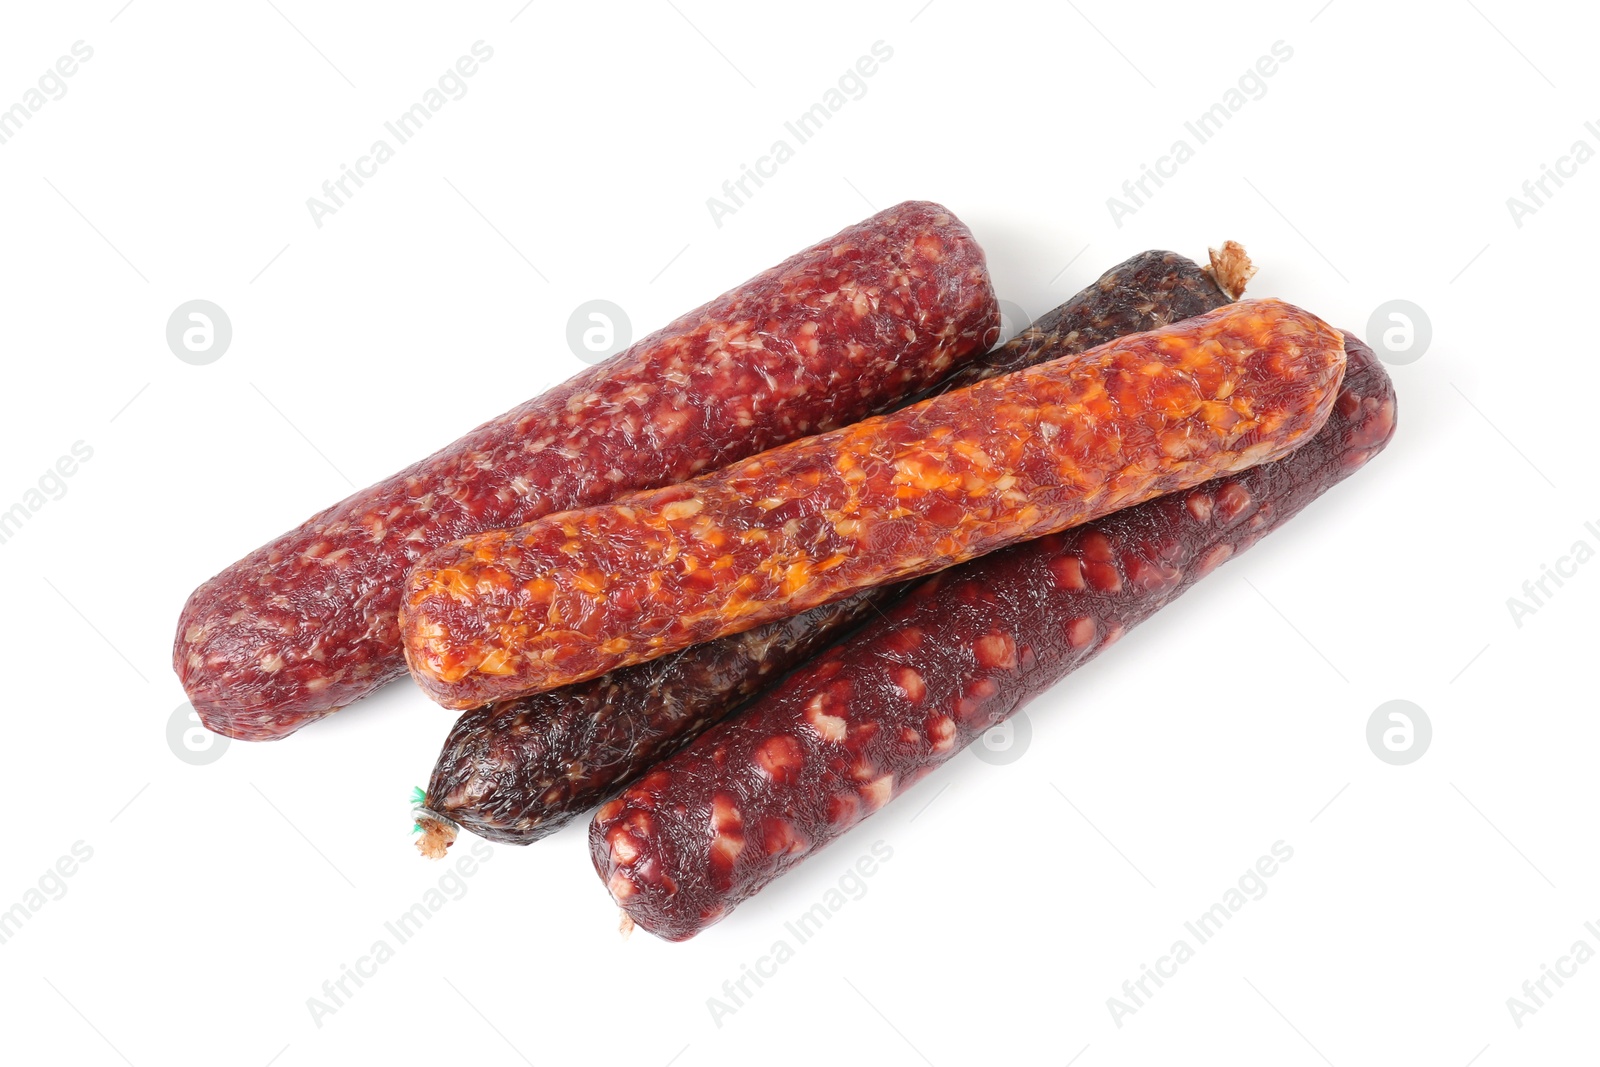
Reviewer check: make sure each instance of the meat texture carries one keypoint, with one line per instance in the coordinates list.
(518, 771)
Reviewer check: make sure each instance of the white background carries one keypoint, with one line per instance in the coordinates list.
(1377, 166)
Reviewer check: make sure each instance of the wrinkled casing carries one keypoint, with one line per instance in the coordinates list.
(520, 770)
(861, 723)
(1145, 292)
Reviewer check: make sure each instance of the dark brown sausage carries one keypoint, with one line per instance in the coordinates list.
(884, 308)
(1146, 292)
(518, 771)
(857, 726)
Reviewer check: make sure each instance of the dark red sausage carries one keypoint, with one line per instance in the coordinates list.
(517, 771)
(857, 726)
(307, 623)
(582, 592)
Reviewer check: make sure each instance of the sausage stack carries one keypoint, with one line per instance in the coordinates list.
(749, 580)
